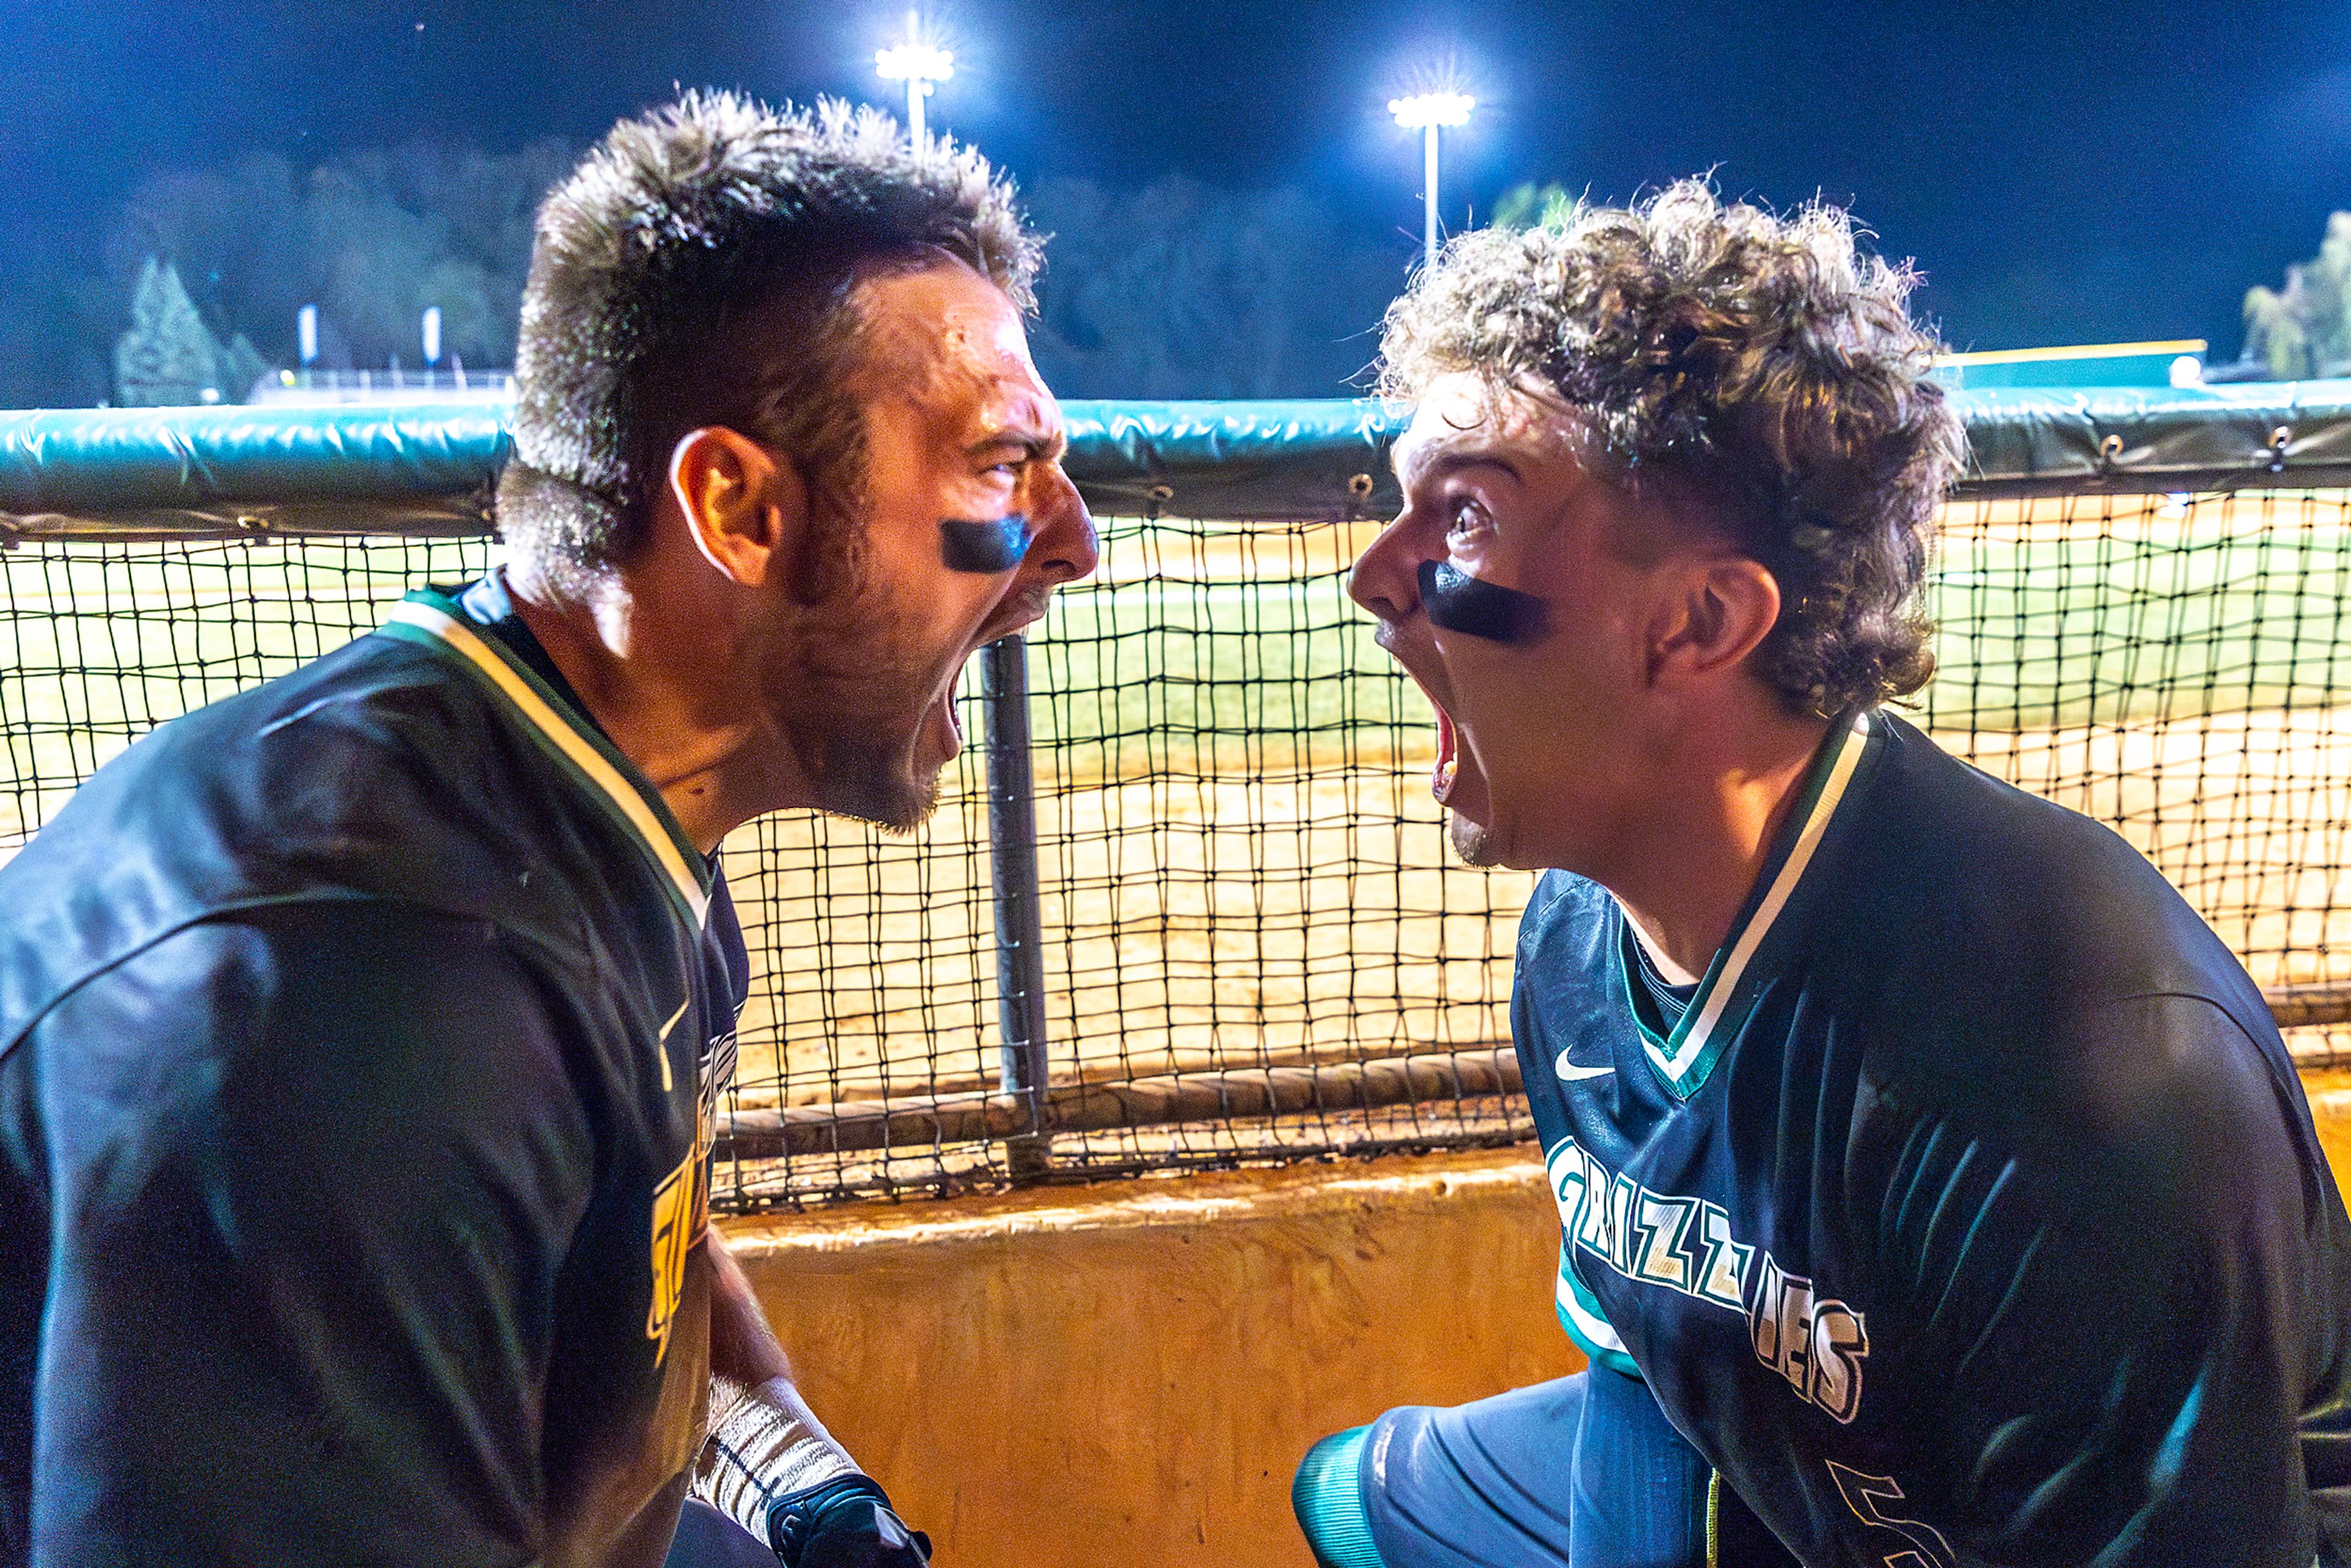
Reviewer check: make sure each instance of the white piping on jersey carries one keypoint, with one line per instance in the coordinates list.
(1594, 1329)
(669, 1082)
(1792, 872)
(569, 741)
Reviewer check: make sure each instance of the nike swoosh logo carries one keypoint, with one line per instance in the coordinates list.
(1569, 1071)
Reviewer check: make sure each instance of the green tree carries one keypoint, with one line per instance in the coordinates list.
(1528, 205)
(371, 237)
(168, 357)
(1182, 289)
(2304, 328)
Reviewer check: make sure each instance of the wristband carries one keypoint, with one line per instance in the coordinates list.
(765, 1447)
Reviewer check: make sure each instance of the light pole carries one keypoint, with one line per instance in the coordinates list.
(1427, 112)
(918, 63)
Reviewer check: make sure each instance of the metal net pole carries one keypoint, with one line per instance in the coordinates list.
(1019, 937)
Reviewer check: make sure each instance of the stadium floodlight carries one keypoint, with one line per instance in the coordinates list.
(920, 64)
(1428, 113)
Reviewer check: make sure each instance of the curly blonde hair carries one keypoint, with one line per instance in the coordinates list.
(698, 268)
(1765, 364)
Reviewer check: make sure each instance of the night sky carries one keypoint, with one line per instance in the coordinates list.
(2063, 173)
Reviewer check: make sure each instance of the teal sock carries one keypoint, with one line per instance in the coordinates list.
(1328, 1496)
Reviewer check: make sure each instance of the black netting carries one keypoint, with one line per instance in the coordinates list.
(1255, 943)
(98, 643)
(2179, 668)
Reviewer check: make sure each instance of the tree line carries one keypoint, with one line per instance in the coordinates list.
(2304, 328)
(1177, 289)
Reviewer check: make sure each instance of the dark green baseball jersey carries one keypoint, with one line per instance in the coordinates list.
(1970, 1211)
(359, 1037)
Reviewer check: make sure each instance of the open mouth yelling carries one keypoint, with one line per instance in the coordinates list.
(946, 718)
(1442, 776)
(939, 739)
(944, 721)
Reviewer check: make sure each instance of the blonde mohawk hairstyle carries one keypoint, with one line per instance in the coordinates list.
(697, 267)
(1764, 364)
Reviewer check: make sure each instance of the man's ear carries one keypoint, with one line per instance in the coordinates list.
(1715, 612)
(742, 509)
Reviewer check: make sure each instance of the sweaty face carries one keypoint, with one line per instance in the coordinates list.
(1535, 687)
(961, 437)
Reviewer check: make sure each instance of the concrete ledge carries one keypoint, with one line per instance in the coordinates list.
(2330, 1110)
(1130, 1372)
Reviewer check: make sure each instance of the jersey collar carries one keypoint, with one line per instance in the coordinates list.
(1683, 1058)
(434, 621)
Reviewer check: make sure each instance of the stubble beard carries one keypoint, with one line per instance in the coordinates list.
(857, 707)
(872, 782)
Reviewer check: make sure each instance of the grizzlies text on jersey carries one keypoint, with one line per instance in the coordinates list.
(359, 1037)
(1970, 1212)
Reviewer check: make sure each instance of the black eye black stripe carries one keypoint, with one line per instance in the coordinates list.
(1460, 602)
(997, 545)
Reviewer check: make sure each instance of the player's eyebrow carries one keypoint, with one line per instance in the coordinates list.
(1049, 446)
(1436, 461)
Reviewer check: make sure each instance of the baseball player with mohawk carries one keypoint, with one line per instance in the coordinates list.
(361, 1035)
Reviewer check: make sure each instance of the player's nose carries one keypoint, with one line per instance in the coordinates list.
(1386, 580)
(1065, 548)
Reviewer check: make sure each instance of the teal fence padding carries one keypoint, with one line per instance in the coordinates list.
(2067, 369)
(1303, 457)
(2249, 435)
(423, 467)
(337, 469)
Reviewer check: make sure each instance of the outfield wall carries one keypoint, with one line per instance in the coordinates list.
(1127, 1374)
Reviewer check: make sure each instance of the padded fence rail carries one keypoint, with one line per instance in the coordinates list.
(1254, 942)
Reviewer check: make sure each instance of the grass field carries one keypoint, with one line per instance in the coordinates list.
(2045, 631)
(1242, 863)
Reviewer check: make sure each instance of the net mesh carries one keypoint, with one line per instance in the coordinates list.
(2180, 669)
(98, 643)
(1245, 882)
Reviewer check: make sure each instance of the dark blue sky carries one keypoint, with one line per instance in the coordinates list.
(2063, 173)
